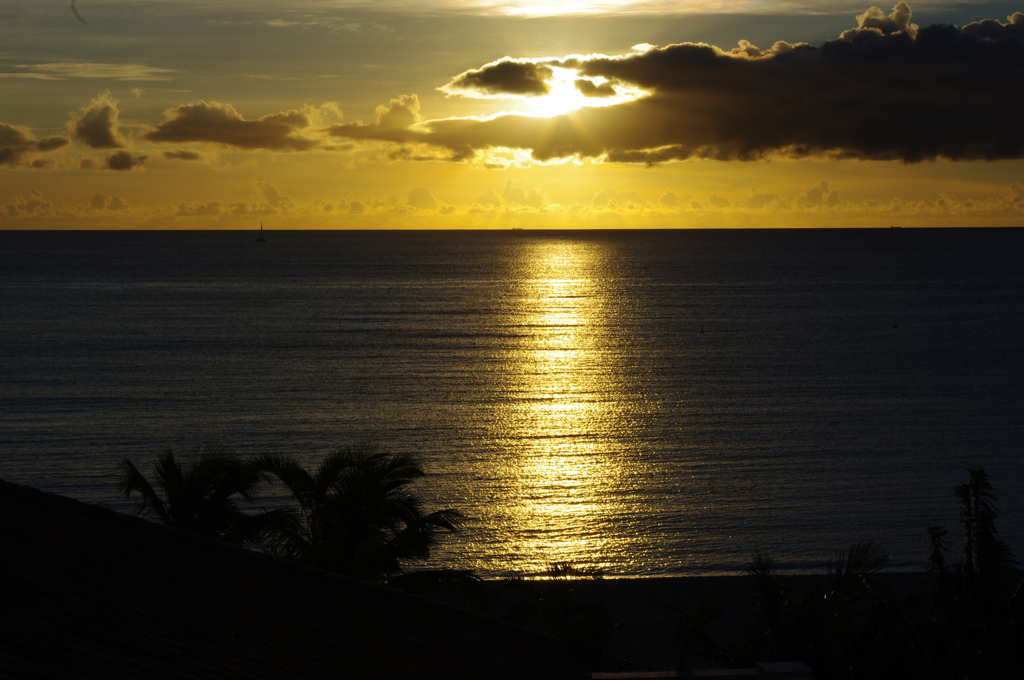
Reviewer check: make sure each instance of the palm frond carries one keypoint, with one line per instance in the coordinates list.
(131, 480)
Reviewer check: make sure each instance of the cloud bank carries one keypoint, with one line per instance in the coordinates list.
(885, 90)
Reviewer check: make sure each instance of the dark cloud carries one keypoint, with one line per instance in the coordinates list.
(995, 30)
(886, 90)
(588, 88)
(16, 144)
(505, 77)
(123, 160)
(221, 124)
(97, 124)
(183, 156)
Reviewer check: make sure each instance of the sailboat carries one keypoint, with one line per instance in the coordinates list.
(261, 239)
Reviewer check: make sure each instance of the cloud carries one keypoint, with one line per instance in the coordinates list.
(820, 196)
(885, 90)
(520, 77)
(1016, 196)
(183, 155)
(421, 198)
(64, 70)
(588, 88)
(758, 200)
(123, 160)
(669, 200)
(989, 29)
(267, 200)
(519, 196)
(35, 205)
(96, 123)
(221, 124)
(489, 198)
(199, 209)
(101, 202)
(270, 195)
(16, 144)
(394, 123)
(897, 21)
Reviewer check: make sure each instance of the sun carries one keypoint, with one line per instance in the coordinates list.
(564, 96)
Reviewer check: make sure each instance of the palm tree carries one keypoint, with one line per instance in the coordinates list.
(201, 494)
(989, 568)
(977, 606)
(357, 514)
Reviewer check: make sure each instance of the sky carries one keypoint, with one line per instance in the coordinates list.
(494, 114)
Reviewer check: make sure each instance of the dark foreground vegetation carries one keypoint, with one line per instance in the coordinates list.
(964, 620)
(356, 514)
(353, 514)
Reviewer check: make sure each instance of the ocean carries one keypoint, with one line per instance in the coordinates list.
(651, 402)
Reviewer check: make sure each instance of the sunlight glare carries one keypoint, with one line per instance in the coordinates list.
(533, 9)
(564, 97)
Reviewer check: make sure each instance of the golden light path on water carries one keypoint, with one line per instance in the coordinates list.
(559, 402)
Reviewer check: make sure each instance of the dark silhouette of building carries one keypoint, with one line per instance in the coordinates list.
(86, 592)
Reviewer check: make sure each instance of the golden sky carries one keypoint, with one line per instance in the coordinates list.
(337, 114)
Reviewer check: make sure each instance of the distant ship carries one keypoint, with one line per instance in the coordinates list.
(261, 239)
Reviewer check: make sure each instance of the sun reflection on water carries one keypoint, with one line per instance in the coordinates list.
(558, 404)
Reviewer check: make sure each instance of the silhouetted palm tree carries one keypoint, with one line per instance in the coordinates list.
(357, 514)
(965, 621)
(977, 606)
(201, 494)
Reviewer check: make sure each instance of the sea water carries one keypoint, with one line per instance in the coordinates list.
(652, 402)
